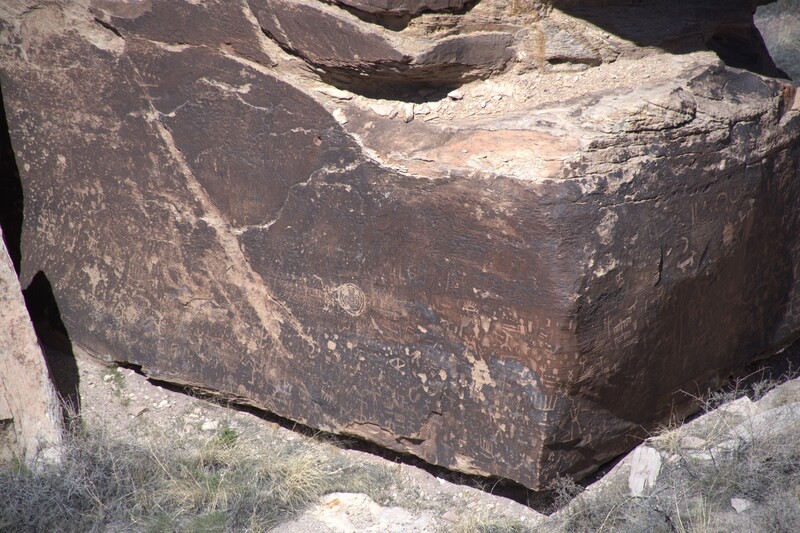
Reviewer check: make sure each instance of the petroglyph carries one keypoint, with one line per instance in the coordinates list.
(540, 256)
(351, 299)
(481, 378)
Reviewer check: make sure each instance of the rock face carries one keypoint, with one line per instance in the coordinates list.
(358, 55)
(30, 414)
(402, 7)
(516, 279)
(778, 22)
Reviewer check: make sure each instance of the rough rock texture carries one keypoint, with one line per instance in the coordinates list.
(515, 279)
(339, 44)
(739, 441)
(402, 7)
(30, 414)
(780, 23)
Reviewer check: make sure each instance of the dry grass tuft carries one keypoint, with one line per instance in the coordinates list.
(742, 456)
(489, 523)
(226, 483)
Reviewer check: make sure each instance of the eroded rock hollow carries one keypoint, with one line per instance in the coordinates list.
(501, 235)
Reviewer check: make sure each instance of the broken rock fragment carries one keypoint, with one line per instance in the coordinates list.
(357, 54)
(30, 412)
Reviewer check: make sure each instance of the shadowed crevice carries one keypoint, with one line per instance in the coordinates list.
(11, 196)
(56, 344)
(541, 501)
(743, 47)
(399, 21)
(778, 23)
(725, 27)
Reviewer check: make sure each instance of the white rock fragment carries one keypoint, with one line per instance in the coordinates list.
(408, 112)
(382, 108)
(333, 92)
(645, 467)
(741, 505)
(338, 114)
(210, 425)
(348, 512)
(136, 410)
(455, 95)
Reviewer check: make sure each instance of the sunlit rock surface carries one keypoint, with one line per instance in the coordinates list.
(502, 236)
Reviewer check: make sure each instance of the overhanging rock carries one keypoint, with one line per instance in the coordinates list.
(515, 280)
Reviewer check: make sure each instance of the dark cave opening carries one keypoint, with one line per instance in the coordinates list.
(11, 197)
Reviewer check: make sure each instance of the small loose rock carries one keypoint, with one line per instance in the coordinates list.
(210, 425)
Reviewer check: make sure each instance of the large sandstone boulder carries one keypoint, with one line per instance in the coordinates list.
(518, 279)
(30, 413)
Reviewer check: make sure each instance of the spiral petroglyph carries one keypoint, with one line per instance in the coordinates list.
(351, 299)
